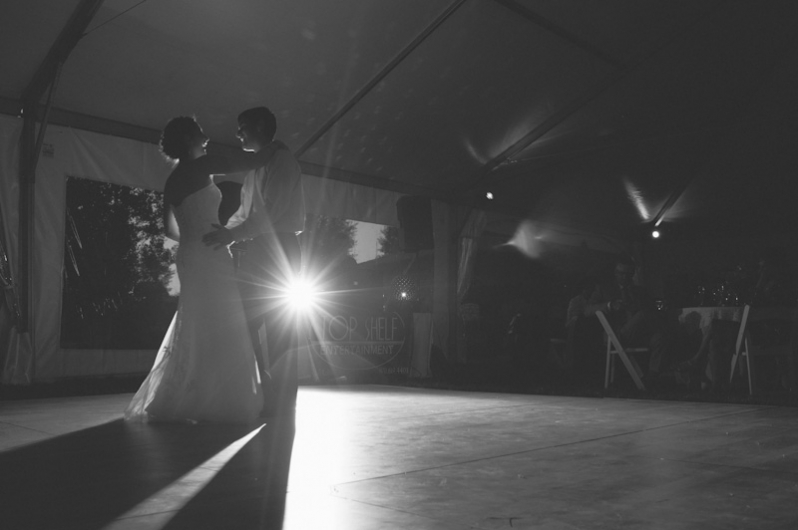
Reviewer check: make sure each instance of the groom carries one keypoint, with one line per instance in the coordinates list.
(269, 220)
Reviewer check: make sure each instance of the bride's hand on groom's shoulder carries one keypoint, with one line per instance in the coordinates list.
(219, 238)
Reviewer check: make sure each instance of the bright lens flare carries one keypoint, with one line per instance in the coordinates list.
(302, 295)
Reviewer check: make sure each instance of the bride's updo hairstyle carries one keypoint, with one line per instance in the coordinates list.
(173, 142)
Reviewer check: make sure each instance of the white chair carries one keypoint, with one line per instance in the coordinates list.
(747, 347)
(616, 349)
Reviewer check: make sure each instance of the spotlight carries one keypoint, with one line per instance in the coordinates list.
(655, 234)
(403, 289)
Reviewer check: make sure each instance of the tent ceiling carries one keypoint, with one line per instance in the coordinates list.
(595, 114)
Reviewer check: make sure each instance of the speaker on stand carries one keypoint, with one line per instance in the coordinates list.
(415, 223)
(415, 234)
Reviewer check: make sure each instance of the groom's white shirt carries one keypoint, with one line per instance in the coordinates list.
(271, 198)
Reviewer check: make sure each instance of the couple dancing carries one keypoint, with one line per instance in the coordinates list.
(211, 365)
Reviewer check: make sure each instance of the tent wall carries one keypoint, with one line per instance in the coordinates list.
(72, 152)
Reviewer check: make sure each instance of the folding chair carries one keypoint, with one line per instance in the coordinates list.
(747, 347)
(616, 349)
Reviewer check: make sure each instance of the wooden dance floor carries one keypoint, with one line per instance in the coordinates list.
(385, 457)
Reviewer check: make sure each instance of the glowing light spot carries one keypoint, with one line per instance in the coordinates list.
(302, 295)
(527, 239)
(636, 197)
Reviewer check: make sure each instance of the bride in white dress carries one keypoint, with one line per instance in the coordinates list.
(205, 369)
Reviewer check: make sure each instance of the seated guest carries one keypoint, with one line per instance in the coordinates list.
(634, 316)
(774, 286)
(587, 290)
(582, 334)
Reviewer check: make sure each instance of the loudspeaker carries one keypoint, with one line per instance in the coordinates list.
(415, 223)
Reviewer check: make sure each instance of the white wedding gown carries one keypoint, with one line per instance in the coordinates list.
(205, 369)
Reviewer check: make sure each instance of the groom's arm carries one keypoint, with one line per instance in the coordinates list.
(255, 222)
(281, 205)
(221, 237)
(266, 215)
(275, 208)
(239, 216)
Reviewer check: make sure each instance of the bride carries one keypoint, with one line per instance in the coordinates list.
(205, 368)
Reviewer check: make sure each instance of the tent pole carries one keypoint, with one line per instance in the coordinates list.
(67, 40)
(31, 146)
(561, 32)
(556, 118)
(26, 186)
(45, 76)
(388, 68)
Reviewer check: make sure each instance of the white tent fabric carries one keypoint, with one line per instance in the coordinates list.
(76, 153)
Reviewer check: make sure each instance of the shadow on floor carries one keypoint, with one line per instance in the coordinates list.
(87, 479)
(249, 491)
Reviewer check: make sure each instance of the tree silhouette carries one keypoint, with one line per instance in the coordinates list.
(389, 241)
(327, 245)
(116, 268)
